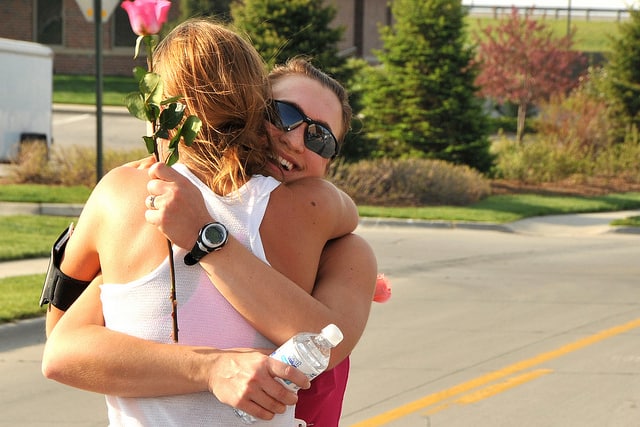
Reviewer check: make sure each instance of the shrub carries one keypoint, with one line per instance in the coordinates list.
(410, 182)
(547, 159)
(537, 160)
(32, 165)
(65, 165)
(622, 160)
(579, 118)
(575, 141)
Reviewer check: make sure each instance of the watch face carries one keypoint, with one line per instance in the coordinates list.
(214, 235)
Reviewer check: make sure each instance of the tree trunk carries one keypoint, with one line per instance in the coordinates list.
(522, 114)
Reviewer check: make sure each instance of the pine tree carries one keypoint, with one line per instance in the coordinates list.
(282, 29)
(623, 70)
(422, 100)
(220, 9)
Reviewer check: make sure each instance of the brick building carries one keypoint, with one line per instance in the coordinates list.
(61, 25)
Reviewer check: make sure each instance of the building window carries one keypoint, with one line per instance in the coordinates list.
(123, 34)
(49, 23)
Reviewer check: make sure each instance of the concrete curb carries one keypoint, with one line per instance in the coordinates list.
(89, 109)
(54, 209)
(624, 230)
(18, 334)
(392, 222)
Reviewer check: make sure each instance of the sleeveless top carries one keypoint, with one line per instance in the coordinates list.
(142, 308)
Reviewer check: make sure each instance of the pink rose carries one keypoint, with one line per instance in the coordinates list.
(147, 16)
(383, 289)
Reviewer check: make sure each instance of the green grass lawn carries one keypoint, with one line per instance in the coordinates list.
(633, 221)
(19, 297)
(82, 89)
(508, 208)
(590, 36)
(37, 193)
(29, 236)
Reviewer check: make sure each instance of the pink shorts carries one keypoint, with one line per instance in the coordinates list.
(321, 405)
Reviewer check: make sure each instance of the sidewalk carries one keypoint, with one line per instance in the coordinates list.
(79, 108)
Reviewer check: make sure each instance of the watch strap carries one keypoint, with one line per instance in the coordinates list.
(190, 259)
(200, 249)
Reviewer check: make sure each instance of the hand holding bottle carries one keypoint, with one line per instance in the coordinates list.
(306, 351)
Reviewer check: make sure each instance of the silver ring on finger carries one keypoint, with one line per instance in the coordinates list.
(152, 200)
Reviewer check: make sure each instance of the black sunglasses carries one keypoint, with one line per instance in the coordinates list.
(317, 137)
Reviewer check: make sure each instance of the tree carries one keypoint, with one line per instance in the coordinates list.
(623, 71)
(422, 100)
(217, 8)
(522, 62)
(282, 29)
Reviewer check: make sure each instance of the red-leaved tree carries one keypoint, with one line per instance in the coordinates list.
(522, 62)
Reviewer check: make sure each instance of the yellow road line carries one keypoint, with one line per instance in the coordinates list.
(490, 390)
(494, 389)
(438, 397)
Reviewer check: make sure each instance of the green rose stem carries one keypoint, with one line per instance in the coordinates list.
(164, 115)
(146, 18)
(150, 42)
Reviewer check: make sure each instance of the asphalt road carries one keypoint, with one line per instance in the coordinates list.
(76, 126)
(491, 329)
(485, 329)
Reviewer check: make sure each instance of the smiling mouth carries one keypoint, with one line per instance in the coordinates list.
(284, 164)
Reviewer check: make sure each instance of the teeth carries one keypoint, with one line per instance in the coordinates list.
(285, 164)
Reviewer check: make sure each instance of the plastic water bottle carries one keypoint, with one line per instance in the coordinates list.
(309, 352)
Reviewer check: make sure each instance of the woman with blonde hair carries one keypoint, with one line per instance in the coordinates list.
(223, 81)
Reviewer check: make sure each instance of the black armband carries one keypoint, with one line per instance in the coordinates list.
(59, 289)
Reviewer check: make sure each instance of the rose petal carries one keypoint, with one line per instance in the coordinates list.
(147, 16)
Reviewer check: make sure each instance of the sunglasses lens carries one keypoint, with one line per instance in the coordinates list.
(317, 138)
(320, 140)
(289, 116)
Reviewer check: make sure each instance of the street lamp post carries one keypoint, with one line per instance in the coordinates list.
(97, 16)
(569, 18)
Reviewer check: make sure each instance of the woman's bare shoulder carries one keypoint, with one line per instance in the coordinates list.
(119, 187)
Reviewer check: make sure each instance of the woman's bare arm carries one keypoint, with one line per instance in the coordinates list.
(342, 274)
(82, 353)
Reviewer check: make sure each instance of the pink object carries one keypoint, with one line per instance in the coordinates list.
(147, 16)
(383, 289)
(321, 405)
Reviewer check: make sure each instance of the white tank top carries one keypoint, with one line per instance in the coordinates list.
(142, 308)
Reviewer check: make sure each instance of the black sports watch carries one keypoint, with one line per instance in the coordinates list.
(211, 237)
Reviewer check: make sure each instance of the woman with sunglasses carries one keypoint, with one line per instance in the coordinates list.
(304, 147)
(161, 377)
(300, 90)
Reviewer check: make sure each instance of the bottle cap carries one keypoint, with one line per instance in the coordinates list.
(333, 334)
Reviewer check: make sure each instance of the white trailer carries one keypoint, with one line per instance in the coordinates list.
(26, 91)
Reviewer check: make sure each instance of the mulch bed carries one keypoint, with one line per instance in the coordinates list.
(590, 187)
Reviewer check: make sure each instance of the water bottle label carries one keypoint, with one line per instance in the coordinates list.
(287, 353)
(289, 360)
(288, 384)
